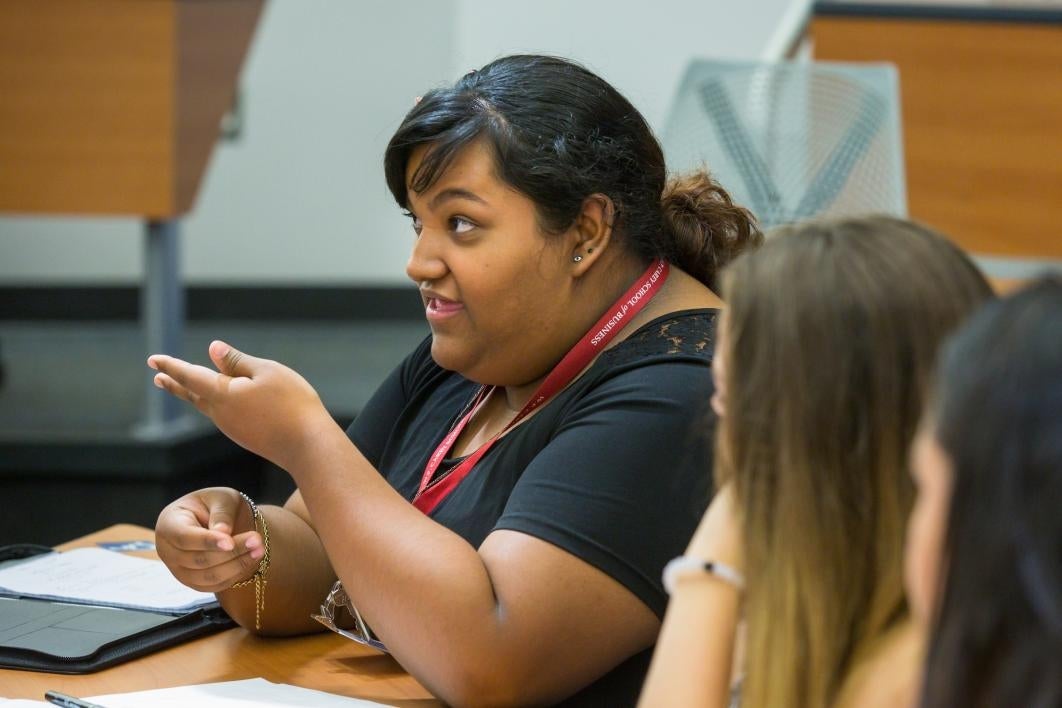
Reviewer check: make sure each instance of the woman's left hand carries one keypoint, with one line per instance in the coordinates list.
(262, 405)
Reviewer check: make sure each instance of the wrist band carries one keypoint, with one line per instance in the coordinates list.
(684, 566)
(259, 574)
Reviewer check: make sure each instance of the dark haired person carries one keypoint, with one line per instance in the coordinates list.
(501, 510)
(984, 552)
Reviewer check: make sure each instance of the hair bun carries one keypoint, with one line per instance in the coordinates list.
(707, 229)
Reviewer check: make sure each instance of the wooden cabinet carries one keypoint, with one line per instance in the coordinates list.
(982, 120)
(113, 106)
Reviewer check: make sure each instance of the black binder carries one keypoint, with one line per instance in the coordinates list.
(64, 638)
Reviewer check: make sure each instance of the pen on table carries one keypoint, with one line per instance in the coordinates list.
(61, 699)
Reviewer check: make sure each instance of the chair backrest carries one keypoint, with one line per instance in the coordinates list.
(793, 140)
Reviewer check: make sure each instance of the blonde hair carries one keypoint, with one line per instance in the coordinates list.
(832, 330)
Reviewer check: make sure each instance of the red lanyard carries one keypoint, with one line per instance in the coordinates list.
(430, 493)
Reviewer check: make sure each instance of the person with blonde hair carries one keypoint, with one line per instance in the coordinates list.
(823, 357)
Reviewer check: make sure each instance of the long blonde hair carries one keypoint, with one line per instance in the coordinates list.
(831, 333)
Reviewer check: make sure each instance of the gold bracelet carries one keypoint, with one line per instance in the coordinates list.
(259, 574)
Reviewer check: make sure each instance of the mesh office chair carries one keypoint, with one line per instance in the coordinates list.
(793, 140)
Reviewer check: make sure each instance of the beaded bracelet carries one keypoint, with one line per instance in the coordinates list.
(687, 565)
(259, 574)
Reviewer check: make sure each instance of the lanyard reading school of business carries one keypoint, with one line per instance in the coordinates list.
(431, 493)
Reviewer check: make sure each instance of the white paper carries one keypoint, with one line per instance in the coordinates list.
(230, 694)
(94, 576)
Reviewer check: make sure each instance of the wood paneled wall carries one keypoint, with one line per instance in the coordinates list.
(112, 106)
(982, 122)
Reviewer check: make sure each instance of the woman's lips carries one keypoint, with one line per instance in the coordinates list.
(438, 308)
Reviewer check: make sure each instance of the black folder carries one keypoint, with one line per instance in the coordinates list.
(65, 638)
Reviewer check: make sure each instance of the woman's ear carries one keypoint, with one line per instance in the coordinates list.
(592, 232)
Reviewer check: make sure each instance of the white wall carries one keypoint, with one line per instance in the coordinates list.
(641, 48)
(301, 197)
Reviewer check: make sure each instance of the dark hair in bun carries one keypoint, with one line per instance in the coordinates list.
(560, 134)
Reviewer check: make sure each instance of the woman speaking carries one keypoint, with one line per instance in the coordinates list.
(500, 512)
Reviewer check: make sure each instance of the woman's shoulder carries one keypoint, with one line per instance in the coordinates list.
(687, 335)
(889, 674)
(662, 370)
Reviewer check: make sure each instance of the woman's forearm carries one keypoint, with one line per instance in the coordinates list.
(692, 664)
(426, 591)
(694, 654)
(297, 581)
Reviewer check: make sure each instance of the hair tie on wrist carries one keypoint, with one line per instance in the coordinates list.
(684, 566)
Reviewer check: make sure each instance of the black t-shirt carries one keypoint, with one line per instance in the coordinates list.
(615, 469)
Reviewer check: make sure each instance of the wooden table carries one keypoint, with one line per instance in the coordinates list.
(327, 662)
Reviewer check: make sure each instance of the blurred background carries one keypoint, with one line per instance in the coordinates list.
(174, 171)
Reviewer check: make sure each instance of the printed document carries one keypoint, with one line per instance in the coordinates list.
(230, 694)
(93, 576)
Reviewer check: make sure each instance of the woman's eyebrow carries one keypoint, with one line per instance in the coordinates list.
(455, 193)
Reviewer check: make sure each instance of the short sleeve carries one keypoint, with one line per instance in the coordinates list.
(626, 477)
(375, 422)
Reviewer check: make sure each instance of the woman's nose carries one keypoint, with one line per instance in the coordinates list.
(425, 262)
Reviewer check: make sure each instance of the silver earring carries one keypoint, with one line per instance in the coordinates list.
(577, 258)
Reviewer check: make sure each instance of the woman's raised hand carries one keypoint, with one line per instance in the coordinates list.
(262, 405)
(208, 539)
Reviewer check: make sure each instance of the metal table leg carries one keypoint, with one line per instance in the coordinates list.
(162, 320)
